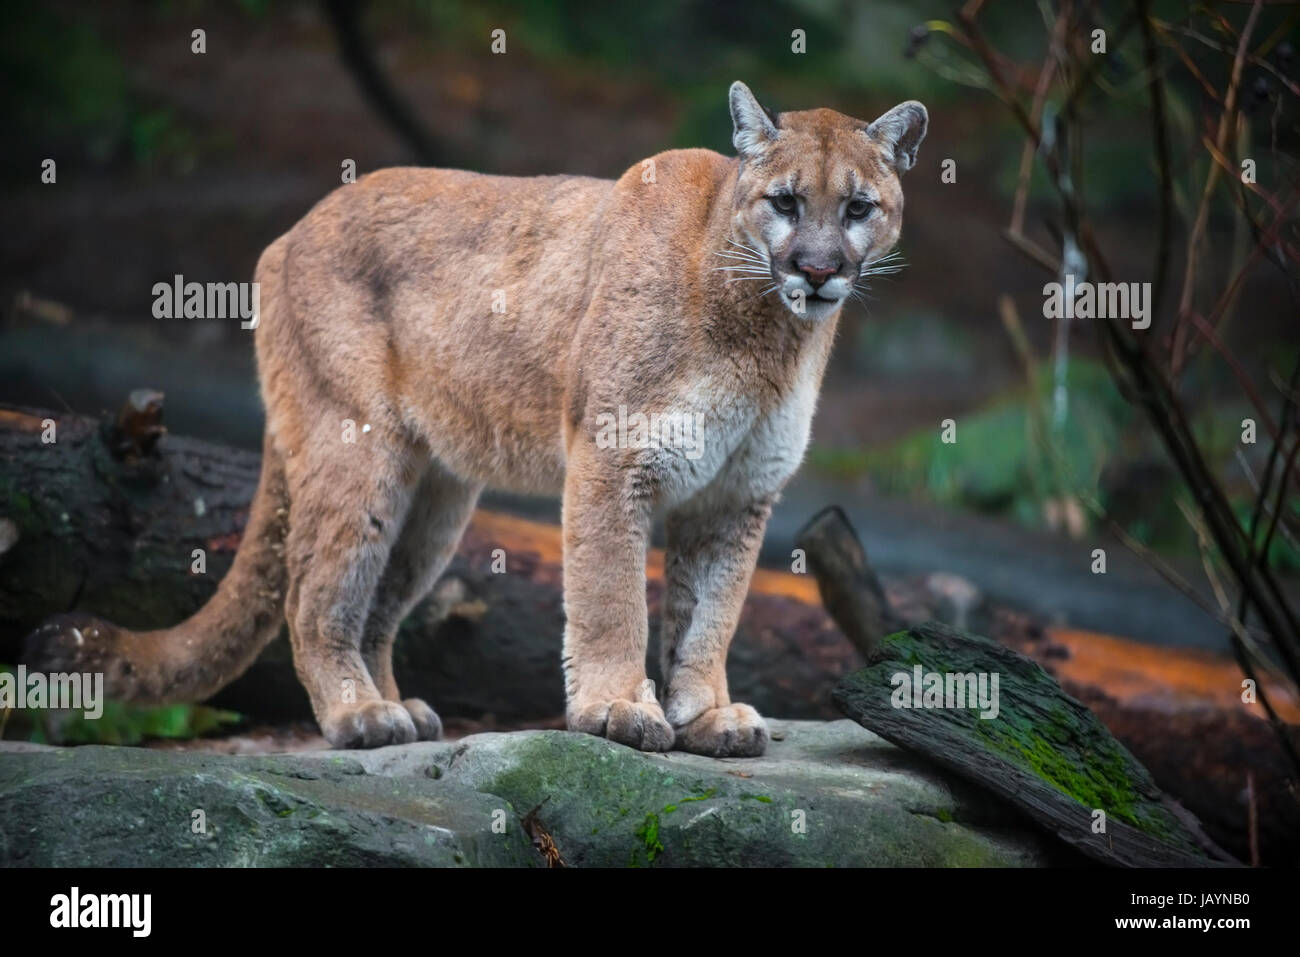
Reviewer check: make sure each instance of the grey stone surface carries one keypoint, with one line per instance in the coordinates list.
(826, 794)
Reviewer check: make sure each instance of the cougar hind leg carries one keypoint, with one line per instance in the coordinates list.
(438, 513)
(349, 502)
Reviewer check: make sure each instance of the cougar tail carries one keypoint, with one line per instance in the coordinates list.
(214, 646)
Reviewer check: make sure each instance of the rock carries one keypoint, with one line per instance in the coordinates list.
(828, 794)
(132, 807)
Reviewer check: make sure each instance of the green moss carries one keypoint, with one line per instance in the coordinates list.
(1103, 782)
(614, 780)
(648, 832)
(611, 806)
(701, 797)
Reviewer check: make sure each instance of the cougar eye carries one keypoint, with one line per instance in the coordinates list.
(859, 209)
(784, 203)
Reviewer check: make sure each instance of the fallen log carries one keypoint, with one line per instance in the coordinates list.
(850, 591)
(126, 522)
(1025, 740)
(996, 718)
(1178, 710)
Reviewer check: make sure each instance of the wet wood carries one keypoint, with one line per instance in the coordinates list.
(850, 590)
(1024, 739)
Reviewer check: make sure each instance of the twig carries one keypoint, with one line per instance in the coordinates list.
(1144, 382)
(1045, 75)
(345, 18)
(1252, 60)
(1197, 235)
(1258, 489)
(1244, 380)
(1160, 137)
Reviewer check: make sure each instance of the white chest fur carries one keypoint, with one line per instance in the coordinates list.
(743, 453)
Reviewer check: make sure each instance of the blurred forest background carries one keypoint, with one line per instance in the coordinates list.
(172, 162)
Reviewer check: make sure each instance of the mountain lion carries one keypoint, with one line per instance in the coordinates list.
(467, 331)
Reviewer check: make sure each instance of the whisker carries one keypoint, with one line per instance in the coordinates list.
(763, 292)
(738, 256)
(748, 263)
(748, 250)
(886, 265)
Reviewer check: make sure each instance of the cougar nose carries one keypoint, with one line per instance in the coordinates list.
(817, 274)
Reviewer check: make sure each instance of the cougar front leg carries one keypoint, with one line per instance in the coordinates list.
(606, 528)
(712, 550)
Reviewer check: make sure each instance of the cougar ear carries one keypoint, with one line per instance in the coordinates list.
(754, 127)
(901, 129)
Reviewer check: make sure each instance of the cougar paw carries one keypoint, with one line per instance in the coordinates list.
(428, 726)
(638, 724)
(732, 731)
(372, 724)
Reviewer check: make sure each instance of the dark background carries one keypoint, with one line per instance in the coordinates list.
(173, 162)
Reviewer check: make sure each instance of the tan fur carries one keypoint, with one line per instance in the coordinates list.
(378, 308)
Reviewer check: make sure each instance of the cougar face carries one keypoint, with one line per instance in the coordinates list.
(818, 198)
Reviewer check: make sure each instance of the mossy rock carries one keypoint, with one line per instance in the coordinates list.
(1039, 749)
(133, 807)
(827, 794)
